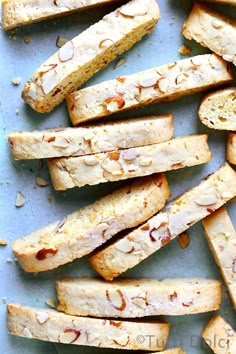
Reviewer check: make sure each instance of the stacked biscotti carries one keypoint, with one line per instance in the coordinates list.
(128, 225)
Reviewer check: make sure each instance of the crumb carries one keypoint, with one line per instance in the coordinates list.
(184, 50)
(16, 80)
(9, 260)
(3, 243)
(17, 111)
(50, 198)
(4, 300)
(119, 62)
(41, 182)
(51, 303)
(61, 41)
(20, 200)
(27, 39)
(184, 240)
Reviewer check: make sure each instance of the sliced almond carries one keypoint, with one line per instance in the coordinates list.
(105, 43)
(119, 62)
(206, 199)
(66, 52)
(216, 23)
(148, 79)
(133, 9)
(41, 182)
(60, 142)
(139, 302)
(181, 78)
(116, 299)
(69, 336)
(163, 84)
(20, 200)
(51, 303)
(49, 81)
(145, 162)
(196, 61)
(61, 41)
(27, 333)
(112, 166)
(125, 246)
(90, 160)
(3, 243)
(114, 103)
(42, 317)
(228, 57)
(130, 154)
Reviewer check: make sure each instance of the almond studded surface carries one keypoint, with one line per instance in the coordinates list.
(53, 326)
(81, 232)
(90, 51)
(213, 30)
(131, 298)
(23, 12)
(191, 207)
(167, 82)
(134, 162)
(91, 139)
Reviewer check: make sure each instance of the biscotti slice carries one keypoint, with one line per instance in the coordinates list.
(218, 109)
(223, 2)
(134, 162)
(192, 206)
(89, 52)
(130, 298)
(23, 12)
(53, 326)
(81, 232)
(220, 336)
(164, 83)
(91, 139)
(221, 236)
(213, 30)
(231, 148)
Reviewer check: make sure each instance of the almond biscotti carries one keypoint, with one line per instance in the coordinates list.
(220, 336)
(191, 207)
(91, 139)
(231, 148)
(167, 82)
(221, 237)
(213, 30)
(53, 326)
(81, 232)
(218, 109)
(134, 162)
(130, 298)
(23, 12)
(90, 51)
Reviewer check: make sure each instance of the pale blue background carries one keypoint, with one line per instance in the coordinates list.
(20, 59)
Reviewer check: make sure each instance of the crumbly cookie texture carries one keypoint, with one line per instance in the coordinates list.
(191, 207)
(221, 236)
(231, 148)
(223, 2)
(164, 83)
(218, 109)
(81, 232)
(213, 30)
(23, 12)
(90, 51)
(91, 139)
(134, 162)
(129, 298)
(220, 336)
(53, 326)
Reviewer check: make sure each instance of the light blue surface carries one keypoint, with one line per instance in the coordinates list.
(21, 59)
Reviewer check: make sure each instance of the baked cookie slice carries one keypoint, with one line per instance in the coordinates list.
(24, 12)
(131, 298)
(213, 30)
(53, 326)
(163, 83)
(218, 109)
(193, 206)
(231, 148)
(90, 51)
(220, 336)
(91, 139)
(221, 237)
(134, 162)
(82, 231)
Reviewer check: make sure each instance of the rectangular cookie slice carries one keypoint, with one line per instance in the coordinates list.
(221, 237)
(186, 210)
(218, 109)
(53, 326)
(82, 231)
(23, 12)
(90, 51)
(163, 83)
(130, 298)
(231, 148)
(91, 139)
(213, 30)
(134, 162)
(220, 336)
